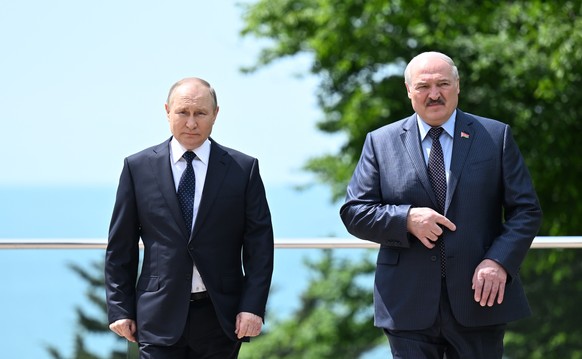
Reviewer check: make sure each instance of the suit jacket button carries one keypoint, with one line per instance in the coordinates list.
(433, 258)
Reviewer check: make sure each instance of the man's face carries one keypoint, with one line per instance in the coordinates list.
(433, 89)
(191, 114)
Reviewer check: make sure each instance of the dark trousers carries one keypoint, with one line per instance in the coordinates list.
(447, 339)
(203, 338)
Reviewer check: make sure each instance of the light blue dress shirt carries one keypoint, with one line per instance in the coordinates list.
(446, 140)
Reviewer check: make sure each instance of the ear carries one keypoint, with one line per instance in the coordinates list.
(408, 90)
(167, 108)
(215, 114)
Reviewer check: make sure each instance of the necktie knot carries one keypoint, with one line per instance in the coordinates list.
(435, 132)
(189, 156)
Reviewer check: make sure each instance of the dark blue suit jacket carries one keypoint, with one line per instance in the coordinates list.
(490, 199)
(232, 229)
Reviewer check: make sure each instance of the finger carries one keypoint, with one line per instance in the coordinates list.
(131, 338)
(501, 293)
(132, 330)
(125, 329)
(446, 222)
(240, 328)
(485, 293)
(431, 236)
(477, 287)
(436, 229)
(427, 242)
(243, 332)
(257, 330)
(493, 295)
(237, 323)
(125, 332)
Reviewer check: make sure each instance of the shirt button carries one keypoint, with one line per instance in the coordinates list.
(433, 258)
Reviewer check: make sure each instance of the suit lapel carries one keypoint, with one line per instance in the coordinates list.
(162, 170)
(462, 140)
(217, 168)
(411, 140)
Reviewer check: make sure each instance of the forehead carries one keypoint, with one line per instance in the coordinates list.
(431, 68)
(191, 94)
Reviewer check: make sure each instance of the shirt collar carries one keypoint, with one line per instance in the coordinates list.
(448, 126)
(177, 150)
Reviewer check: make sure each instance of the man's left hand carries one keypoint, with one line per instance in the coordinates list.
(489, 282)
(248, 325)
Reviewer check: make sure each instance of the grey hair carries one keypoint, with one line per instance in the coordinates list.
(193, 79)
(445, 58)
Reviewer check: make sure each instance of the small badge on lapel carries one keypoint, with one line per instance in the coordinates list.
(464, 134)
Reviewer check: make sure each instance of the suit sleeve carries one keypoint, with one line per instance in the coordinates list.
(122, 254)
(257, 246)
(364, 213)
(522, 212)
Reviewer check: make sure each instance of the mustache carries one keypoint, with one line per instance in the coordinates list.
(438, 101)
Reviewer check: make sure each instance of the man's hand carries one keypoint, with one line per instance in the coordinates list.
(489, 282)
(425, 224)
(248, 325)
(124, 328)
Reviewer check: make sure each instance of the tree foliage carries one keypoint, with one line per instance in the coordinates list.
(331, 314)
(520, 62)
(88, 324)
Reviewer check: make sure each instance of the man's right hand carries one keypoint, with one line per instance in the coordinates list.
(124, 328)
(425, 224)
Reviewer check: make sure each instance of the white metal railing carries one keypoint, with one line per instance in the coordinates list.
(323, 242)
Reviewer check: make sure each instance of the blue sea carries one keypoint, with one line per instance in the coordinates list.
(41, 294)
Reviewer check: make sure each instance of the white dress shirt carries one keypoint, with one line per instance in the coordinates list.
(200, 164)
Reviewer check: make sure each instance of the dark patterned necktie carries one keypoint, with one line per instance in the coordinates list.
(438, 180)
(186, 190)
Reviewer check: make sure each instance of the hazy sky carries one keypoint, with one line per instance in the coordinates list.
(83, 84)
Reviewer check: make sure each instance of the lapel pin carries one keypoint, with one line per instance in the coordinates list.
(464, 134)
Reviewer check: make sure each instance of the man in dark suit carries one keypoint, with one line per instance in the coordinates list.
(449, 199)
(201, 212)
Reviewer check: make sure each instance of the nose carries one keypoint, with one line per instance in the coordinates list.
(191, 123)
(434, 93)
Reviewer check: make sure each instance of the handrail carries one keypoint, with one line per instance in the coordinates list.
(297, 243)
(283, 243)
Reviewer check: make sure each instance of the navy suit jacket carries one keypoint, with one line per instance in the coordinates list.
(490, 199)
(232, 232)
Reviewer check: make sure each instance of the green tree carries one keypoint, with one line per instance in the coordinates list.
(554, 287)
(91, 324)
(519, 61)
(330, 312)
